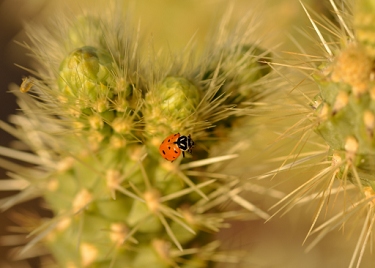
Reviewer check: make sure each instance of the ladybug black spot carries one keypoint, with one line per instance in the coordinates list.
(163, 152)
(169, 147)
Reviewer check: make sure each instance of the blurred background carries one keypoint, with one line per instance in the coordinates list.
(170, 24)
(13, 15)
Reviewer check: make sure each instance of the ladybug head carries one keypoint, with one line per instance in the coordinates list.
(185, 143)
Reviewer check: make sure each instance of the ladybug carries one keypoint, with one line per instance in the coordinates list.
(172, 146)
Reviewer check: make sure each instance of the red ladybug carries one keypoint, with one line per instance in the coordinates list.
(172, 146)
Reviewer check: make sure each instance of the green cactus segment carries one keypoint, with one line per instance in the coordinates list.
(171, 105)
(92, 229)
(89, 247)
(346, 114)
(364, 24)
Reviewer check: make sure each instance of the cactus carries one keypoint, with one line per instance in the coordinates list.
(94, 117)
(99, 105)
(339, 122)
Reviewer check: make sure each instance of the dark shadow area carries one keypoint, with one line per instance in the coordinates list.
(13, 15)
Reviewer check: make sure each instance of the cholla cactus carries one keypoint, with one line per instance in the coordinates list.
(342, 115)
(94, 117)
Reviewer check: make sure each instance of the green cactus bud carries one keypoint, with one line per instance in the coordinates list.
(85, 76)
(178, 97)
(169, 104)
